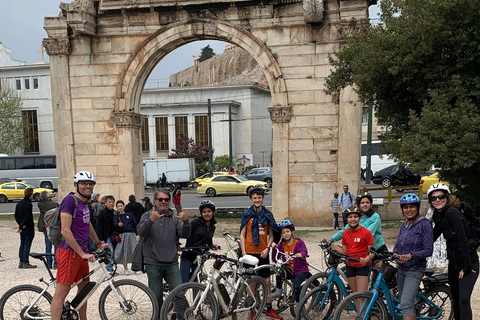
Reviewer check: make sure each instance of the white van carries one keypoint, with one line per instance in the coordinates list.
(378, 159)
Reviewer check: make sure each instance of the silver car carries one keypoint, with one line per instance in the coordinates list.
(261, 174)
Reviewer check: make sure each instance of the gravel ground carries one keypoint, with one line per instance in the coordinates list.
(12, 276)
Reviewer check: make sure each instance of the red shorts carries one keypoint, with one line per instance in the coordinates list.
(70, 266)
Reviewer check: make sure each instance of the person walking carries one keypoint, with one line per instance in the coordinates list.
(72, 253)
(463, 262)
(44, 205)
(126, 226)
(161, 230)
(105, 228)
(414, 245)
(135, 208)
(26, 228)
(346, 201)
(334, 205)
(177, 200)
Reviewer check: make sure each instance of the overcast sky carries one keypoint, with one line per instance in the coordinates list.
(21, 30)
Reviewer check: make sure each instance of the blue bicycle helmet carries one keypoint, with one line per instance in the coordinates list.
(409, 198)
(286, 224)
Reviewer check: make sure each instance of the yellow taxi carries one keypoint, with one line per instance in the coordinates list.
(228, 184)
(205, 177)
(15, 190)
(427, 181)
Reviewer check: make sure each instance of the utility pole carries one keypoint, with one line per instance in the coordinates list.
(210, 152)
(230, 148)
(368, 174)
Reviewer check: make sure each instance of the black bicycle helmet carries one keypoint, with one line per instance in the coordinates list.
(258, 189)
(206, 204)
(349, 211)
(364, 195)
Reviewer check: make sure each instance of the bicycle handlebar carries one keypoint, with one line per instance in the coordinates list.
(326, 246)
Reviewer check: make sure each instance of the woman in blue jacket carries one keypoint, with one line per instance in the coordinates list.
(414, 245)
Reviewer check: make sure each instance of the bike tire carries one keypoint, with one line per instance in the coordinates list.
(311, 306)
(282, 303)
(244, 300)
(191, 291)
(442, 297)
(140, 300)
(14, 302)
(316, 280)
(346, 308)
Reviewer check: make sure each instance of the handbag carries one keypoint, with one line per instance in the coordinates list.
(137, 263)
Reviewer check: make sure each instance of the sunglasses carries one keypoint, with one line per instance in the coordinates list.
(439, 197)
(163, 199)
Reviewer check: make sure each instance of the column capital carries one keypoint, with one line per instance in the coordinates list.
(57, 46)
(127, 119)
(280, 113)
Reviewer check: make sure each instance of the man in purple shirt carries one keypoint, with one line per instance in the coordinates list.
(72, 255)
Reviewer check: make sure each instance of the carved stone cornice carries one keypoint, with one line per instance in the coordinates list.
(313, 11)
(353, 26)
(280, 114)
(127, 119)
(57, 46)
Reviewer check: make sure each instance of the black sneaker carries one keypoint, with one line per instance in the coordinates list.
(173, 316)
(28, 266)
(20, 265)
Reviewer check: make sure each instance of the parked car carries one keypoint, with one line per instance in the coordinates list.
(428, 180)
(261, 174)
(228, 184)
(205, 177)
(383, 176)
(16, 190)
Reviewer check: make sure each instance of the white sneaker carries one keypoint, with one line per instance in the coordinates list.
(127, 272)
(275, 295)
(138, 273)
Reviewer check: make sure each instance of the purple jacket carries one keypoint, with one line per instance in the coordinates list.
(417, 240)
(299, 266)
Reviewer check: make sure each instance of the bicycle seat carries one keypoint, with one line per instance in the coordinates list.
(40, 255)
(248, 259)
(429, 272)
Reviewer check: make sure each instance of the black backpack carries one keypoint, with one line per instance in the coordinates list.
(473, 219)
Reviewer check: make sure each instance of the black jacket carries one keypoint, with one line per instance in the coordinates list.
(136, 209)
(24, 216)
(105, 227)
(200, 236)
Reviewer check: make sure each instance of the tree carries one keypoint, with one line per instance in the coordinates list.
(221, 162)
(420, 69)
(186, 148)
(12, 137)
(206, 53)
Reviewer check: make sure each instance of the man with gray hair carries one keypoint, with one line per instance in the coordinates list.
(46, 203)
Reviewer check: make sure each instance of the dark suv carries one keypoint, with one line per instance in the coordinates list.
(260, 174)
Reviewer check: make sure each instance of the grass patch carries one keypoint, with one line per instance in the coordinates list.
(11, 217)
(391, 224)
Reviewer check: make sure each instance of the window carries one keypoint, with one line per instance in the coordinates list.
(10, 186)
(145, 135)
(201, 130)
(25, 163)
(7, 164)
(31, 131)
(19, 84)
(21, 186)
(27, 84)
(35, 83)
(45, 162)
(181, 127)
(161, 132)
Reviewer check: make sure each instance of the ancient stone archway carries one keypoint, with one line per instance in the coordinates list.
(102, 52)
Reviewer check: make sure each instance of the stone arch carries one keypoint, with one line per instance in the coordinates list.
(153, 49)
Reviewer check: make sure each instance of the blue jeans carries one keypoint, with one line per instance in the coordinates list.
(186, 269)
(51, 261)
(110, 264)
(336, 226)
(25, 245)
(408, 282)
(171, 274)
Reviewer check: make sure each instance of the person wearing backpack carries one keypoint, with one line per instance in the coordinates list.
(44, 205)
(72, 254)
(346, 201)
(463, 262)
(26, 228)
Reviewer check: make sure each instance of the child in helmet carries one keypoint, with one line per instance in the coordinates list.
(299, 267)
(356, 243)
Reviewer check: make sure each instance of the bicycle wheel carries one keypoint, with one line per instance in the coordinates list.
(16, 303)
(316, 304)
(442, 297)
(186, 299)
(250, 300)
(134, 300)
(346, 308)
(286, 300)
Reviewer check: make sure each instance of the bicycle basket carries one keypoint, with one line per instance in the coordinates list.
(389, 276)
(332, 259)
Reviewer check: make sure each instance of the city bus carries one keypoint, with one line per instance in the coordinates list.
(35, 169)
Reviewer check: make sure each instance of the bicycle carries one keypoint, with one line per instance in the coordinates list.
(121, 299)
(240, 295)
(320, 302)
(373, 306)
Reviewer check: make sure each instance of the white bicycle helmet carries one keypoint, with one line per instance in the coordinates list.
(84, 176)
(438, 186)
(206, 204)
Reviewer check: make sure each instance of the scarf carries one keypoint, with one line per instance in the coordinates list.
(263, 217)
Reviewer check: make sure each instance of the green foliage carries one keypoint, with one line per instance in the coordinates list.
(12, 126)
(420, 69)
(186, 148)
(206, 53)
(221, 162)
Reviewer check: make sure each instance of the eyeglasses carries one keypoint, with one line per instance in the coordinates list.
(163, 199)
(86, 184)
(439, 197)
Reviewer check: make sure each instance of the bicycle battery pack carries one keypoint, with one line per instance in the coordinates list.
(82, 294)
(224, 293)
